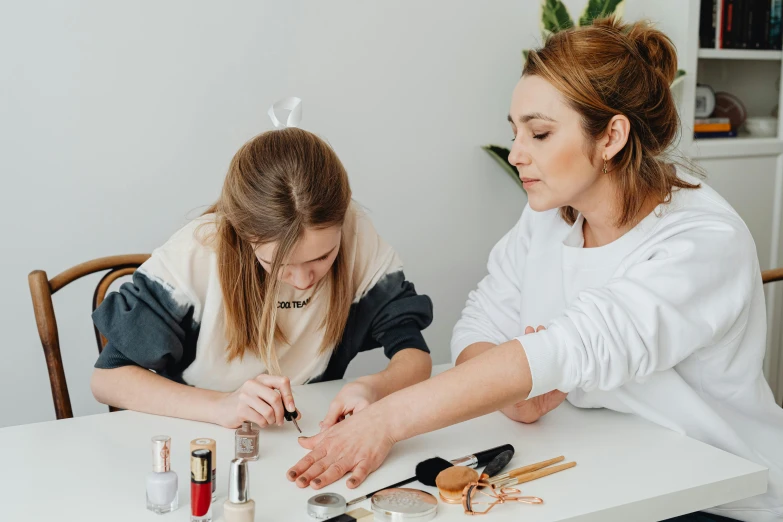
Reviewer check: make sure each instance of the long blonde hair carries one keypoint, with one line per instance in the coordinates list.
(278, 184)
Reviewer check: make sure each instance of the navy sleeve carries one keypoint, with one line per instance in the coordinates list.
(146, 326)
(391, 314)
(395, 315)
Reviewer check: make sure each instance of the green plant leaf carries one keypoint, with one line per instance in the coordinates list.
(678, 77)
(554, 17)
(598, 9)
(500, 154)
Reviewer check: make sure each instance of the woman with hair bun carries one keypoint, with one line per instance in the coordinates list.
(627, 283)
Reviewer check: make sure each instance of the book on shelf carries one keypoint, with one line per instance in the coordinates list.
(712, 127)
(708, 121)
(740, 24)
(776, 12)
(705, 135)
(708, 19)
(727, 24)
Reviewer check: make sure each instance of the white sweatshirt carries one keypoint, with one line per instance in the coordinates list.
(667, 322)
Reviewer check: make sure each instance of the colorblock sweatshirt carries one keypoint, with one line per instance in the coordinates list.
(170, 318)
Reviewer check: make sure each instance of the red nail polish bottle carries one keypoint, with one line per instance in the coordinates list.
(201, 485)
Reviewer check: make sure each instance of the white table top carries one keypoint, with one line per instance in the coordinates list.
(93, 468)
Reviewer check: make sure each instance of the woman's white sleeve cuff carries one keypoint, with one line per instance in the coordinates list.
(548, 368)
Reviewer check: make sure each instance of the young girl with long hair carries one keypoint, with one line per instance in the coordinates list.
(283, 281)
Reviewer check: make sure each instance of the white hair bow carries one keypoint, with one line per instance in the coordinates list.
(292, 104)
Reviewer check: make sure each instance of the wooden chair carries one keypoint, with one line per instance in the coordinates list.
(772, 275)
(41, 290)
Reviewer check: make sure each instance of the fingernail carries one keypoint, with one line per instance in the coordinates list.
(302, 480)
(292, 474)
(303, 438)
(352, 481)
(291, 407)
(317, 482)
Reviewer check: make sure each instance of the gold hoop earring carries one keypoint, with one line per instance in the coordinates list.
(605, 170)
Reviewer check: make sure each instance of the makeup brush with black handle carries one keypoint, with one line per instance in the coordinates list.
(427, 470)
(497, 465)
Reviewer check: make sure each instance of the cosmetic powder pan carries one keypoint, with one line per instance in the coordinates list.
(326, 505)
(404, 504)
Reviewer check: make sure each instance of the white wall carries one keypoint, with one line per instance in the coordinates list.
(118, 120)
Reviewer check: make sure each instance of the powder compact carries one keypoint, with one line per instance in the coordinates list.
(403, 504)
(326, 505)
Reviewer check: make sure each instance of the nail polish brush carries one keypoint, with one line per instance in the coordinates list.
(292, 416)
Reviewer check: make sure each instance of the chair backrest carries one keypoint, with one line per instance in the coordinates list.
(772, 275)
(42, 288)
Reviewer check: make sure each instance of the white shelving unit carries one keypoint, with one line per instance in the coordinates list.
(741, 146)
(746, 170)
(739, 54)
(752, 75)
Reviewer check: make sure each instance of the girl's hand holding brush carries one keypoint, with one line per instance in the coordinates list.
(263, 400)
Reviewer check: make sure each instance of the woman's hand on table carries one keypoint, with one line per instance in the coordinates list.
(531, 410)
(353, 398)
(262, 400)
(359, 445)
